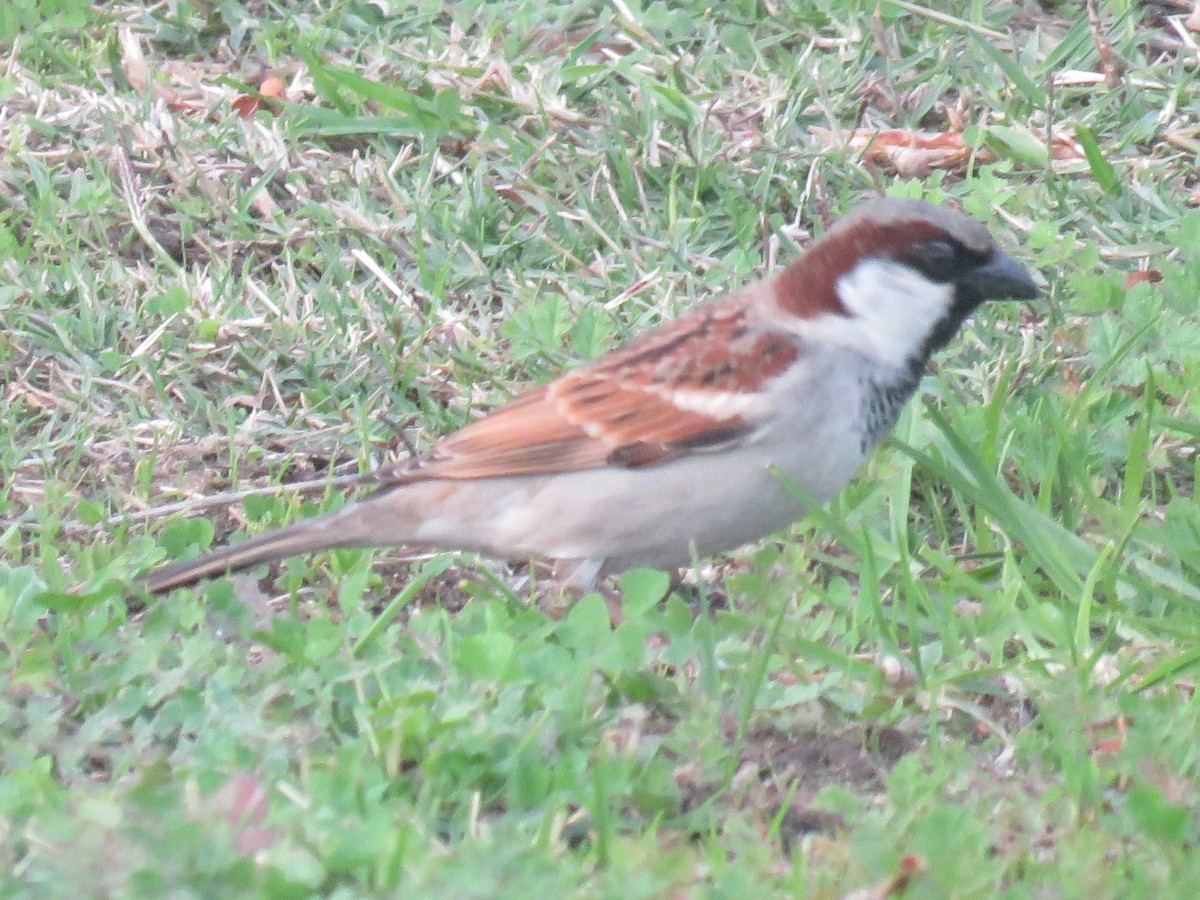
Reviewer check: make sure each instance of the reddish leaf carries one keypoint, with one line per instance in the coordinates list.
(1151, 275)
(272, 88)
(910, 153)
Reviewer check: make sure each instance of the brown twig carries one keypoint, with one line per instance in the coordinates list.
(1111, 63)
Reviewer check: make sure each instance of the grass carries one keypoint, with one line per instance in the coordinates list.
(972, 675)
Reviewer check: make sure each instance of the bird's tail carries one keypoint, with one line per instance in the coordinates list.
(346, 527)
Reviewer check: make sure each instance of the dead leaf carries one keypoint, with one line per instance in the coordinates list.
(272, 88)
(897, 883)
(1111, 63)
(1186, 139)
(1151, 275)
(913, 153)
(133, 60)
(246, 105)
(180, 85)
(242, 802)
(1114, 735)
(909, 153)
(1065, 147)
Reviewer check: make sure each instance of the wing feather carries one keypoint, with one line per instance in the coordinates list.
(690, 385)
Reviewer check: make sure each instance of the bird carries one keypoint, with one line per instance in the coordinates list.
(690, 440)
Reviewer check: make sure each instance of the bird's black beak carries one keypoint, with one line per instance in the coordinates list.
(1000, 278)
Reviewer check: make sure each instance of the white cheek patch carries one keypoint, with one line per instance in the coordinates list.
(892, 307)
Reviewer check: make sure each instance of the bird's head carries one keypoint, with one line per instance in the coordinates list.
(895, 279)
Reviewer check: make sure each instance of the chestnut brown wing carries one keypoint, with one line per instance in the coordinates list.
(690, 385)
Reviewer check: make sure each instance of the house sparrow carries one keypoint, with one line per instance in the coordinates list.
(682, 443)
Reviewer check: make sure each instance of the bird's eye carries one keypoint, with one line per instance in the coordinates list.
(940, 260)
